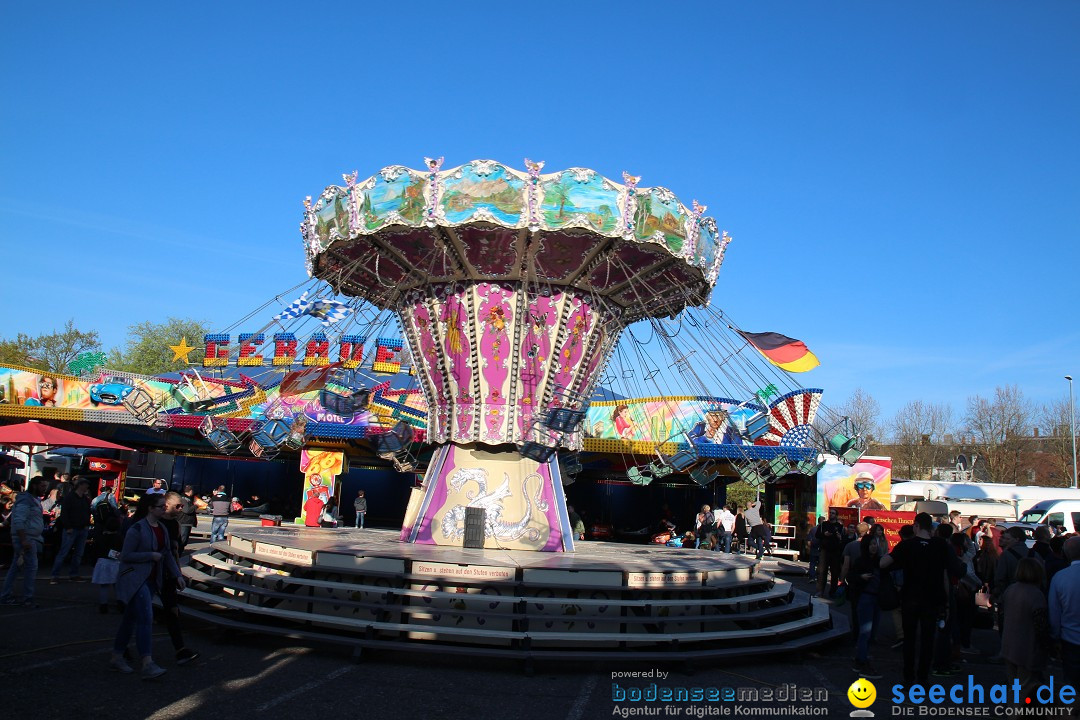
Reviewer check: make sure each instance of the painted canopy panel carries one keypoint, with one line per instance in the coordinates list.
(489, 222)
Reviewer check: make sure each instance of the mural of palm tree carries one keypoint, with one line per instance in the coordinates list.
(560, 193)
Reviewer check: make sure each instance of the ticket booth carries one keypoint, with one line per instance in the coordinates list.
(107, 471)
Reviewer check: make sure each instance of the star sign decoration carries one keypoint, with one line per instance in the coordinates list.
(181, 350)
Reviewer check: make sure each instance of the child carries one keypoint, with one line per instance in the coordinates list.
(360, 504)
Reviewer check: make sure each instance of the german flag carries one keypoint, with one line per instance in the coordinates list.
(783, 352)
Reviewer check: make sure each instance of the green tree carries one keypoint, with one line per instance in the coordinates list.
(147, 349)
(740, 492)
(13, 352)
(49, 351)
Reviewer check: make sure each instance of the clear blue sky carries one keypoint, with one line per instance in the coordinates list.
(902, 178)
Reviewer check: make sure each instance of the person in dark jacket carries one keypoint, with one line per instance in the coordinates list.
(360, 505)
(75, 524)
(864, 582)
(219, 508)
(187, 518)
(830, 538)
(174, 514)
(742, 532)
(27, 527)
(926, 561)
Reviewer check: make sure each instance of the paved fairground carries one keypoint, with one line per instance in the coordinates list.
(54, 663)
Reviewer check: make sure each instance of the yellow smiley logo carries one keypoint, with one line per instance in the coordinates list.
(862, 693)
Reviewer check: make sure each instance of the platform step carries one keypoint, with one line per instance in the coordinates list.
(758, 589)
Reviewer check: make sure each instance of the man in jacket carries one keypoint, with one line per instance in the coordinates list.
(1064, 608)
(172, 522)
(75, 523)
(105, 496)
(926, 560)
(830, 539)
(27, 528)
(187, 518)
(219, 508)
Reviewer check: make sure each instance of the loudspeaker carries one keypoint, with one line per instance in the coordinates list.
(474, 527)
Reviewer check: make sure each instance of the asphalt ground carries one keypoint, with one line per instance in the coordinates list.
(53, 664)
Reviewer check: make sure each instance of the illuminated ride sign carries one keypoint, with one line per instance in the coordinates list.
(348, 351)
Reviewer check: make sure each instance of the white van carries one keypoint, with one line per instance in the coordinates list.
(1060, 515)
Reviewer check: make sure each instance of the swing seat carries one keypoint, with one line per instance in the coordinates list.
(564, 420)
(750, 474)
(658, 471)
(224, 440)
(570, 465)
(779, 466)
(297, 432)
(681, 460)
(639, 476)
(535, 451)
(704, 474)
(397, 439)
(840, 444)
(756, 426)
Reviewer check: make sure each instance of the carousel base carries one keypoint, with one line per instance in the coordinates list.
(368, 590)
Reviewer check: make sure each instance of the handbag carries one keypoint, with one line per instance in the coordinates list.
(982, 599)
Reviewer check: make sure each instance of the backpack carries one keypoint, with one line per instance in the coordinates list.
(105, 517)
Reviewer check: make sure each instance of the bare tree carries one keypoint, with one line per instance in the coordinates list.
(1054, 419)
(863, 410)
(919, 431)
(999, 429)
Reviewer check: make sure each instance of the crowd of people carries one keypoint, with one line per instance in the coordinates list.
(731, 528)
(946, 577)
(943, 578)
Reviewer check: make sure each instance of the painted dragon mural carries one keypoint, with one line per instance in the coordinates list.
(453, 522)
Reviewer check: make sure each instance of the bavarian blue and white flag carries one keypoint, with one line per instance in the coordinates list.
(328, 311)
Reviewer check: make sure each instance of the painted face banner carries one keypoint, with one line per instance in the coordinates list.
(659, 419)
(864, 486)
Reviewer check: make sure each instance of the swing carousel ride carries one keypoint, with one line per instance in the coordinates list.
(512, 290)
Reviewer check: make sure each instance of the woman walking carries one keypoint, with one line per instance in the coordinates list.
(146, 562)
(864, 582)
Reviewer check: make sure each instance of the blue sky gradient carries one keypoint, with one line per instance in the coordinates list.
(900, 178)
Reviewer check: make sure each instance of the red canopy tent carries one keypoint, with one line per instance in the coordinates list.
(35, 434)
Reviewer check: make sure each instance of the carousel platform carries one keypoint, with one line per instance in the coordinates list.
(367, 590)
